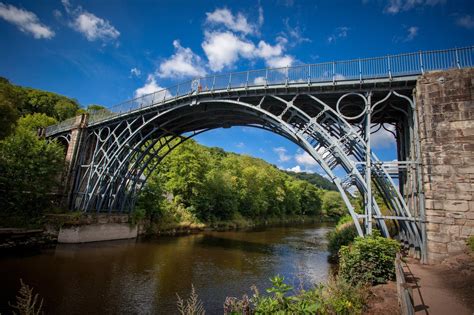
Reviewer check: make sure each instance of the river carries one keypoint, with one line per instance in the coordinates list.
(143, 277)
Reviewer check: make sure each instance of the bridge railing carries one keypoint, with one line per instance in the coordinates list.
(391, 66)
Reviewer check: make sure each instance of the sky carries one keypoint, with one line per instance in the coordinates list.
(105, 52)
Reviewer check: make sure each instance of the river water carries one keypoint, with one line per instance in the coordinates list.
(143, 277)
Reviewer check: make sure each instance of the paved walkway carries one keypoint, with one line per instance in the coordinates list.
(441, 289)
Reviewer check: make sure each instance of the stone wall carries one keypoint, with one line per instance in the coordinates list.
(445, 107)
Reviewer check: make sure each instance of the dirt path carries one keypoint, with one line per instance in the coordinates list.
(446, 288)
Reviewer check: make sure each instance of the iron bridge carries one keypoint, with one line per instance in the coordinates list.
(330, 110)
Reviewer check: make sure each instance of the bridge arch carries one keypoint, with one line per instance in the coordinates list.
(120, 153)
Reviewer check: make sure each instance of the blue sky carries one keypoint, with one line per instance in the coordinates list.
(104, 52)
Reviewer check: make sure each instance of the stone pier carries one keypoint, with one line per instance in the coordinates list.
(445, 107)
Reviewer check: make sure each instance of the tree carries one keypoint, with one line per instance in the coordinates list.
(29, 172)
(8, 110)
(33, 122)
(333, 205)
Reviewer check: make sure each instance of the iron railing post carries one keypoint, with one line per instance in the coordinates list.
(457, 58)
(309, 74)
(213, 83)
(360, 72)
(334, 73)
(286, 80)
(247, 80)
(421, 62)
(389, 68)
(266, 77)
(230, 81)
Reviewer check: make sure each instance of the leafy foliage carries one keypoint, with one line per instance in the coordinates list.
(29, 171)
(213, 185)
(315, 179)
(333, 205)
(337, 296)
(32, 122)
(368, 259)
(342, 235)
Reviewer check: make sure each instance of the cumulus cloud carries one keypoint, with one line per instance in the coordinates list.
(149, 87)
(94, 27)
(25, 21)
(396, 6)
(280, 61)
(88, 24)
(236, 23)
(183, 63)
(466, 21)
(223, 49)
(282, 154)
(296, 169)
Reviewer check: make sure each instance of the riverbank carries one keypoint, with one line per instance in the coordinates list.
(54, 225)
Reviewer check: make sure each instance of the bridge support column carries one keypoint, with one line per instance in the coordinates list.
(72, 152)
(445, 110)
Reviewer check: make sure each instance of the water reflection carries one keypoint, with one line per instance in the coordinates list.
(143, 277)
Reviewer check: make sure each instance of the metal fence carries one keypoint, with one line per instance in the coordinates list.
(404, 290)
(387, 67)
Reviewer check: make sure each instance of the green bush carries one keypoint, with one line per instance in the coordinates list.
(336, 297)
(368, 259)
(343, 235)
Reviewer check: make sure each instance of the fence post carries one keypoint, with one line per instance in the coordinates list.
(421, 62)
(230, 81)
(457, 59)
(309, 74)
(334, 72)
(266, 77)
(389, 68)
(213, 83)
(247, 81)
(286, 80)
(360, 72)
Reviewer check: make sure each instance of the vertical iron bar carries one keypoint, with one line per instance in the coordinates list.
(421, 62)
(389, 68)
(368, 166)
(334, 73)
(457, 59)
(360, 72)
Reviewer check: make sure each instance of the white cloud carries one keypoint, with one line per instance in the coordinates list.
(149, 87)
(296, 169)
(259, 81)
(223, 49)
(465, 21)
(236, 23)
(339, 32)
(26, 21)
(282, 154)
(396, 6)
(280, 61)
(93, 27)
(183, 63)
(90, 25)
(240, 145)
(306, 159)
(135, 72)
(412, 33)
(383, 139)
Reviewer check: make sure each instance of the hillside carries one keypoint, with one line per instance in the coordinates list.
(315, 179)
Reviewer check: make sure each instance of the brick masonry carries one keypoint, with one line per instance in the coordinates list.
(445, 105)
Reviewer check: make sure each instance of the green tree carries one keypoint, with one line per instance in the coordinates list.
(8, 110)
(333, 205)
(33, 122)
(30, 170)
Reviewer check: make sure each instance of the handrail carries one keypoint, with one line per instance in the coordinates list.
(387, 67)
(404, 290)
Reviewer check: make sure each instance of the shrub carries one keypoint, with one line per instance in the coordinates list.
(336, 297)
(368, 259)
(343, 235)
(192, 305)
